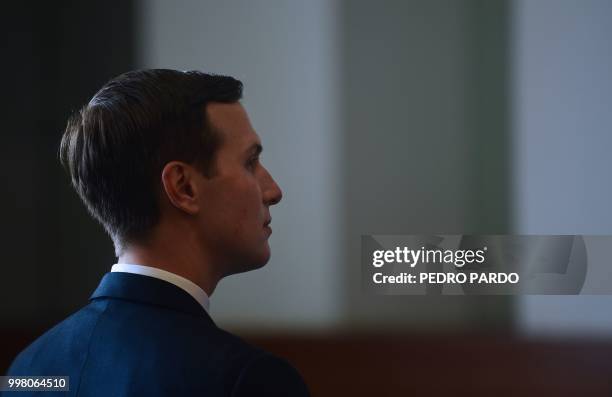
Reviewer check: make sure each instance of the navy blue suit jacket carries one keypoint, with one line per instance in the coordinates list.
(140, 336)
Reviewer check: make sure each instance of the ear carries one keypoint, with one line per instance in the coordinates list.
(179, 184)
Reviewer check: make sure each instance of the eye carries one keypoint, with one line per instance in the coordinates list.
(252, 163)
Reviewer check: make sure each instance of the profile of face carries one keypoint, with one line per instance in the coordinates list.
(234, 202)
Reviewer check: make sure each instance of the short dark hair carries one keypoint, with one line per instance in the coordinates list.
(116, 146)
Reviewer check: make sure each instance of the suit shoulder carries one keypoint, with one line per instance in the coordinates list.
(70, 336)
(254, 372)
(269, 375)
(234, 342)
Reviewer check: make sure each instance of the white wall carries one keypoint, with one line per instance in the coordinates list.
(563, 137)
(285, 54)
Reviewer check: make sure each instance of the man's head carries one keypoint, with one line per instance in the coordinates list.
(163, 144)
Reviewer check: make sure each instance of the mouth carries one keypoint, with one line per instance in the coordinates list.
(267, 227)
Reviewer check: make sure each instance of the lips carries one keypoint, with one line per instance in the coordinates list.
(267, 227)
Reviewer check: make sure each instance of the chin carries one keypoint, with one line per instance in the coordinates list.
(253, 262)
(261, 260)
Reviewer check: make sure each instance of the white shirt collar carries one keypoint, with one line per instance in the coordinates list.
(186, 285)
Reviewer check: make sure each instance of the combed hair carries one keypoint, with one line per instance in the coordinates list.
(116, 146)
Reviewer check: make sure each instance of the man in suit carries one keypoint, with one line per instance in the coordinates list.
(168, 163)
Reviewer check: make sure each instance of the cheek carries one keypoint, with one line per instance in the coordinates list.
(239, 221)
(244, 207)
(249, 214)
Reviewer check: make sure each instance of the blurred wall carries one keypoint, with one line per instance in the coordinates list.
(562, 124)
(425, 142)
(56, 56)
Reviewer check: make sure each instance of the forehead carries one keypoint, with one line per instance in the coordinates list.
(231, 121)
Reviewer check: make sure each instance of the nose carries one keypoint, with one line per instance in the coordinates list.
(272, 193)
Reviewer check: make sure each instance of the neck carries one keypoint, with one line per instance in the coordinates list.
(179, 255)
